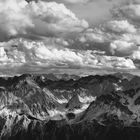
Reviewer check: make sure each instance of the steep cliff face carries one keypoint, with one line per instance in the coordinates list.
(94, 107)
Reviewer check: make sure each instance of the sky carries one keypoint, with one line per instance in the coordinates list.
(71, 34)
(95, 11)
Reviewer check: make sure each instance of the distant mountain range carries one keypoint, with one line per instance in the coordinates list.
(67, 107)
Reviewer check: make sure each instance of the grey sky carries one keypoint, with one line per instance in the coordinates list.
(94, 11)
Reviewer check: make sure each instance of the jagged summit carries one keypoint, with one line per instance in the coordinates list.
(33, 106)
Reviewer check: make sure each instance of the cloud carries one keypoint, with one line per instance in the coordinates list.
(67, 1)
(125, 30)
(79, 1)
(125, 44)
(60, 30)
(20, 51)
(130, 11)
(17, 17)
(93, 35)
(117, 37)
(13, 21)
(3, 56)
(14, 57)
(76, 1)
(136, 55)
(118, 62)
(121, 26)
(121, 46)
(135, 1)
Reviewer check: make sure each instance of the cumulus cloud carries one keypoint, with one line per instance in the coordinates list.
(67, 1)
(121, 46)
(38, 53)
(55, 24)
(130, 11)
(135, 1)
(93, 35)
(136, 55)
(13, 21)
(124, 30)
(118, 37)
(118, 62)
(80, 1)
(121, 26)
(77, 1)
(11, 58)
(18, 17)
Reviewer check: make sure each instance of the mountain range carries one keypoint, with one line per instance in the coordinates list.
(67, 107)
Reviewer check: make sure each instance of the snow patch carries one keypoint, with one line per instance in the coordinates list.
(86, 99)
(62, 101)
(55, 112)
(117, 87)
(83, 108)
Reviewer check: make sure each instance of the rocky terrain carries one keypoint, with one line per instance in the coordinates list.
(67, 107)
